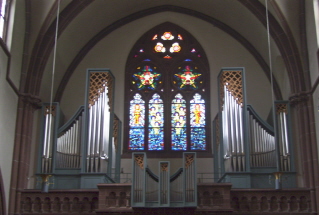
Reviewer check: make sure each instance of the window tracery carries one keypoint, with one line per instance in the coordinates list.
(167, 91)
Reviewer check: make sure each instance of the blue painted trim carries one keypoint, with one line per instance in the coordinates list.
(71, 120)
(264, 124)
(245, 124)
(118, 153)
(216, 150)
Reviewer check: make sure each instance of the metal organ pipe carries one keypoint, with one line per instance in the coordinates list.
(262, 143)
(98, 132)
(232, 124)
(283, 142)
(69, 145)
(48, 141)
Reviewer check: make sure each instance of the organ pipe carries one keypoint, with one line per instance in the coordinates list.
(232, 125)
(283, 137)
(49, 124)
(98, 127)
(69, 143)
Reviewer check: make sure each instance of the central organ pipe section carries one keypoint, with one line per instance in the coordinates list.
(99, 122)
(232, 113)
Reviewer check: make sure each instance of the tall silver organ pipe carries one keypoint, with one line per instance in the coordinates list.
(49, 124)
(113, 157)
(232, 125)
(283, 140)
(68, 151)
(99, 125)
(98, 133)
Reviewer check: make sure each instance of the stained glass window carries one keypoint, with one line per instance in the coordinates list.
(137, 122)
(156, 123)
(167, 36)
(197, 123)
(167, 87)
(146, 77)
(160, 47)
(187, 78)
(178, 121)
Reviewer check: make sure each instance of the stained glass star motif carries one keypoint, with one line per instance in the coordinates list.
(147, 78)
(188, 78)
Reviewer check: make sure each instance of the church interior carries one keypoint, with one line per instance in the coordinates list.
(159, 107)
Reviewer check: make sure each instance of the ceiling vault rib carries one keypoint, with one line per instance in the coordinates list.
(45, 41)
(86, 48)
(284, 41)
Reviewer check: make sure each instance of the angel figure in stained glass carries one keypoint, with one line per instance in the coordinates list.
(197, 113)
(137, 114)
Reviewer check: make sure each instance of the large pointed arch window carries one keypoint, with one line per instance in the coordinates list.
(167, 93)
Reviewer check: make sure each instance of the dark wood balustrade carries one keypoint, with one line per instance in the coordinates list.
(212, 199)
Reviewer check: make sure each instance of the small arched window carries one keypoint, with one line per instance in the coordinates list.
(4, 7)
(167, 93)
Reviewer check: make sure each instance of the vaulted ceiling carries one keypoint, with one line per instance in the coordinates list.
(84, 23)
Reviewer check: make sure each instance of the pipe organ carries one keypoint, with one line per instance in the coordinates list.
(262, 141)
(48, 137)
(68, 152)
(232, 105)
(98, 119)
(139, 179)
(164, 181)
(88, 143)
(282, 120)
(164, 190)
(244, 143)
(177, 186)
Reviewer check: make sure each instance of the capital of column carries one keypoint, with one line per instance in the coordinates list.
(300, 97)
(32, 100)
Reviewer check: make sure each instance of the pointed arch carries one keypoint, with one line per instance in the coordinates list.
(167, 63)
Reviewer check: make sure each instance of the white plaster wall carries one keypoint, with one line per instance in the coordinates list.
(8, 98)
(312, 37)
(8, 109)
(316, 18)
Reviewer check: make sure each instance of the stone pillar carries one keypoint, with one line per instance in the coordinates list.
(305, 142)
(27, 104)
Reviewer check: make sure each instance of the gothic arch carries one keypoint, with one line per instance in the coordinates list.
(167, 88)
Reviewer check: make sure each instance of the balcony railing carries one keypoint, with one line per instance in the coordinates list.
(212, 198)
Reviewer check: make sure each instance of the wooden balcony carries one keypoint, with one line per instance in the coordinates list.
(212, 199)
